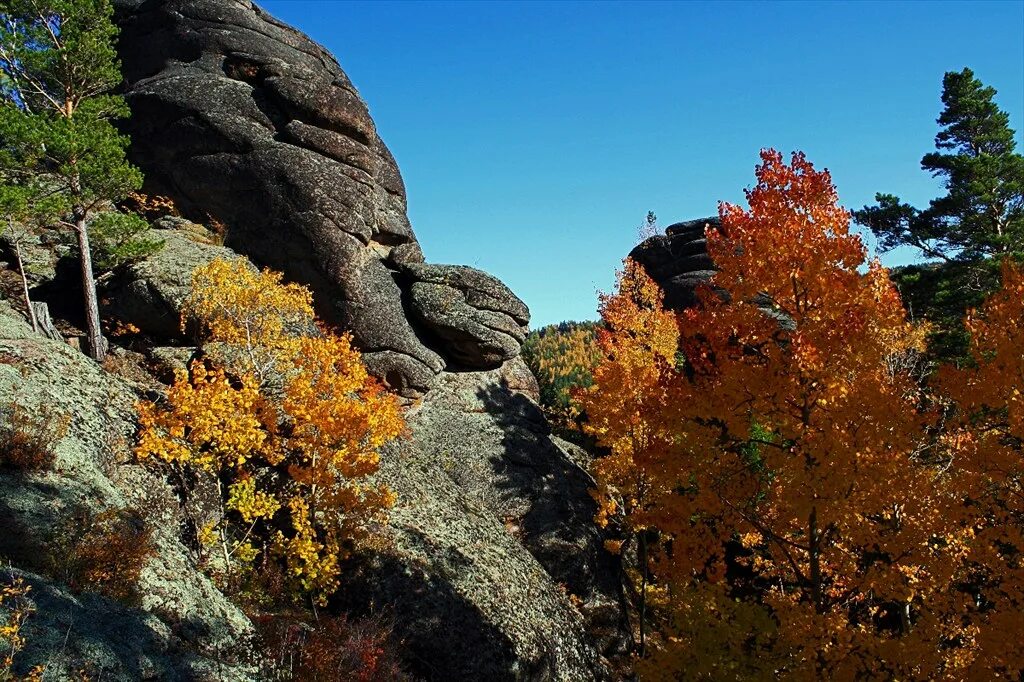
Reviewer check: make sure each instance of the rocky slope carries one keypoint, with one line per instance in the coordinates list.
(182, 627)
(492, 566)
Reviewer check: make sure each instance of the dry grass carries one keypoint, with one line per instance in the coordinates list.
(28, 437)
(103, 552)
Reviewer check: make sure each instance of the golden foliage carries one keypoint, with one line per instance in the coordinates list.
(253, 314)
(638, 347)
(15, 610)
(285, 417)
(562, 358)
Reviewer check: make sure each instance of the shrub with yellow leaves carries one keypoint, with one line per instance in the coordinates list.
(283, 414)
(15, 610)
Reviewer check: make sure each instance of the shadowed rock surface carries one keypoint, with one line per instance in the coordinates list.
(244, 120)
(678, 260)
(481, 479)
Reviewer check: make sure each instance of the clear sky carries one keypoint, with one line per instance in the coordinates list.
(534, 136)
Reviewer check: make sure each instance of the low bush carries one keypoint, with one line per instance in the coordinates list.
(334, 648)
(103, 552)
(15, 610)
(28, 438)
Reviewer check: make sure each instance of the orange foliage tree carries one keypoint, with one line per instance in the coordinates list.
(639, 342)
(986, 444)
(778, 452)
(286, 419)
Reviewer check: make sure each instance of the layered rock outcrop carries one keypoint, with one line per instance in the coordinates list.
(678, 260)
(243, 120)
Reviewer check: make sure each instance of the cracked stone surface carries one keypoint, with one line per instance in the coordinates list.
(243, 120)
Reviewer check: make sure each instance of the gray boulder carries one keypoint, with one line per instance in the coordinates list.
(150, 293)
(494, 565)
(481, 321)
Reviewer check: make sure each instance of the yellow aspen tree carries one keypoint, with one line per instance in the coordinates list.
(285, 417)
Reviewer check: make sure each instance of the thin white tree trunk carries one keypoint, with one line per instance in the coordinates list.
(24, 287)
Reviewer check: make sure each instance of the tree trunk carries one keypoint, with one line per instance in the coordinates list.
(24, 287)
(46, 326)
(643, 591)
(815, 561)
(97, 345)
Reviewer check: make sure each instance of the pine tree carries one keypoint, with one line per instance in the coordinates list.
(982, 213)
(61, 159)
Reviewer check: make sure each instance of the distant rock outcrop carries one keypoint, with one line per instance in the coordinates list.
(678, 260)
(244, 120)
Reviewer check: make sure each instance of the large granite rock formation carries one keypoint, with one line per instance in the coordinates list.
(678, 260)
(495, 569)
(244, 120)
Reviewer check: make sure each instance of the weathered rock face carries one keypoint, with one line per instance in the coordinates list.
(494, 565)
(678, 260)
(183, 627)
(244, 120)
(481, 322)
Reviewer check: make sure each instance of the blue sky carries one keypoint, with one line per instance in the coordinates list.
(534, 136)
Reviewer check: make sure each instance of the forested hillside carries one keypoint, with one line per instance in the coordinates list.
(562, 357)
